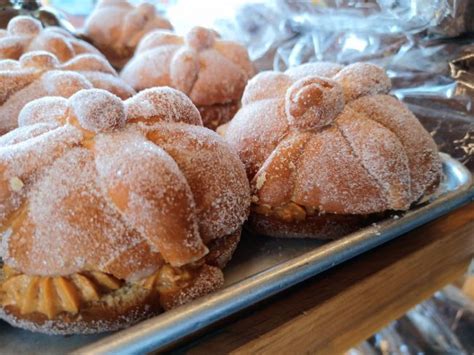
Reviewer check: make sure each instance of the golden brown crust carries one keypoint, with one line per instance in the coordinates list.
(327, 138)
(116, 27)
(212, 72)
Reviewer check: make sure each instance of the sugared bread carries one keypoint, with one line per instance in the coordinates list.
(38, 74)
(325, 147)
(112, 211)
(26, 34)
(115, 27)
(211, 71)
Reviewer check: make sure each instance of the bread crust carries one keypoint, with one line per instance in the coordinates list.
(211, 71)
(97, 192)
(40, 74)
(116, 27)
(173, 189)
(131, 303)
(324, 227)
(215, 115)
(123, 308)
(329, 141)
(26, 34)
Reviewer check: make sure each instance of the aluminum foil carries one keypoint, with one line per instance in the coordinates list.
(424, 45)
(441, 325)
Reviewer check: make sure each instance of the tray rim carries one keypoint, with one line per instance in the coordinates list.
(168, 329)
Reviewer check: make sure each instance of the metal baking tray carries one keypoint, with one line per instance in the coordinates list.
(261, 267)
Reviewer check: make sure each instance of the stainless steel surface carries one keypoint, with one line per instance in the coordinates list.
(261, 267)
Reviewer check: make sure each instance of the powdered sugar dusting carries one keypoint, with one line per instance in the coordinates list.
(223, 208)
(23, 158)
(39, 60)
(9, 64)
(219, 80)
(54, 83)
(247, 133)
(325, 178)
(63, 83)
(24, 26)
(313, 102)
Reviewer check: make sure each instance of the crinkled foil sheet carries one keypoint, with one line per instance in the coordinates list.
(426, 46)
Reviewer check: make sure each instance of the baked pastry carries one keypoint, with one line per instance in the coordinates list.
(112, 211)
(115, 27)
(327, 149)
(38, 74)
(212, 72)
(26, 34)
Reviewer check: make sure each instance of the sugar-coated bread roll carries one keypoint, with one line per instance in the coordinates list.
(38, 74)
(112, 211)
(326, 148)
(211, 71)
(26, 34)
(116, 26)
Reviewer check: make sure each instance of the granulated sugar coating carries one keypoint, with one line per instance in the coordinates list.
(46, 109)
(211, 71)
(326, 139)
(205, 159)
(89, 62)
(98, 110)
(116, 27)
(362, 79)
(26, 34)
(167, 105)
(99, 185)
(39, 74)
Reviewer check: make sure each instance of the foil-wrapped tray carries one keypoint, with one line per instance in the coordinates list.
(260, 268)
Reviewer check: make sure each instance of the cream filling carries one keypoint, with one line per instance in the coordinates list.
(289, 212)
(54, 295)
